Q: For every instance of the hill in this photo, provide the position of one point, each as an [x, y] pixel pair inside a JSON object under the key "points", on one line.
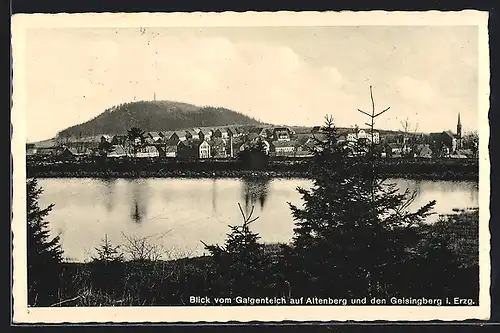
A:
{"points": [[157, 116]]}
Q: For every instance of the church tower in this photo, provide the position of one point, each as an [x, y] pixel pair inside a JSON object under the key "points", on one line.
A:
{"points": [[459, 132]]}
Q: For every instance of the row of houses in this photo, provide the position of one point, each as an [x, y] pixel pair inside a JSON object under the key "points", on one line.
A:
{"points": [[224, 142]]}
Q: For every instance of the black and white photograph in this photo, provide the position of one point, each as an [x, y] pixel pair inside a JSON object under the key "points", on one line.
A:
{"points": [[209, 167]]}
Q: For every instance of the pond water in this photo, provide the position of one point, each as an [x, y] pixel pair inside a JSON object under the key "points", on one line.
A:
{"points": [[180, 213]]}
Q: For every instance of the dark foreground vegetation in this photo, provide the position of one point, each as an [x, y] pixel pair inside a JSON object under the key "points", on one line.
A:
{"points": [[353, 238], [446, 169]]}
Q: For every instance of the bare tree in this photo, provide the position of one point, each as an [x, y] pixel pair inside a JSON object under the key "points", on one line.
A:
{"points": [[143, 248], [409, 132], [372, 116]]}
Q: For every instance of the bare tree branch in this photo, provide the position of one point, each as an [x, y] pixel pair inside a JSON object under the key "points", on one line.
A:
{"points": [[378, 114]]}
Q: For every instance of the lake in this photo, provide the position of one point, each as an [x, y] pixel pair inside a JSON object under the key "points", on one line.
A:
{"points": [[180, 213]]}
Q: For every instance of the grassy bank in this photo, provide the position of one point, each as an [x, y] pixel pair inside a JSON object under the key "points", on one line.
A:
{"points": [[446, 169], [444, 264]]}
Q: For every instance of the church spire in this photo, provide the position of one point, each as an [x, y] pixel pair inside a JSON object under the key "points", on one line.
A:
{"points": [[459, 127]]}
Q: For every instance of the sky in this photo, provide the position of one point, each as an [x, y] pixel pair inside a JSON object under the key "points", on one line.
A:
{"points": [[279, 75]]}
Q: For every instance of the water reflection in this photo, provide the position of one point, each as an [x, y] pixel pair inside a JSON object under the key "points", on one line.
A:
{"points": [[139, 200], [87, 209], [214, 195], [109, 185], [255, 190]]}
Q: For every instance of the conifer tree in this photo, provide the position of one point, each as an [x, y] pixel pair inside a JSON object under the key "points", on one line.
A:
{"points": [[44, 252], [241, 263], [107, 266], [107, 252], [353, 228]]}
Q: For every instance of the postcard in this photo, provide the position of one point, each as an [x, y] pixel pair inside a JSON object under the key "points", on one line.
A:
{"points": [[257, 166]]}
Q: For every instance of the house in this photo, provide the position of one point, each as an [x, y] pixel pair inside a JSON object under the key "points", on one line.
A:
{"points": [[198, 134], [217, 133], [190, 135], [443, 143], [237, 132], [281, 134], [79, 150], [105, 138], [218, 148], [467, 152], [266, 133], [65, 154], [230, 132], [423, 151], [304, 151], [351, 137], [171, 137], [362, 134], [181, 135], [284, 148], [117, 151], [376, 137], [155, 136], [224, 133], [393, 150], [30, 149], [118, 139], [209, 133], [316, 129], [48, 151], [170, 150], [254, 129], [147, 151], [203, 149]]}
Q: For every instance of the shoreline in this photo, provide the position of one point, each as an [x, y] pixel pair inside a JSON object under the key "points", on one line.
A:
{"points": [[231, 175], [458, 170]]}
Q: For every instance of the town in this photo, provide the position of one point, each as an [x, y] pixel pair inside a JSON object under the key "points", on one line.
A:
{"points": [[227, 142]]}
